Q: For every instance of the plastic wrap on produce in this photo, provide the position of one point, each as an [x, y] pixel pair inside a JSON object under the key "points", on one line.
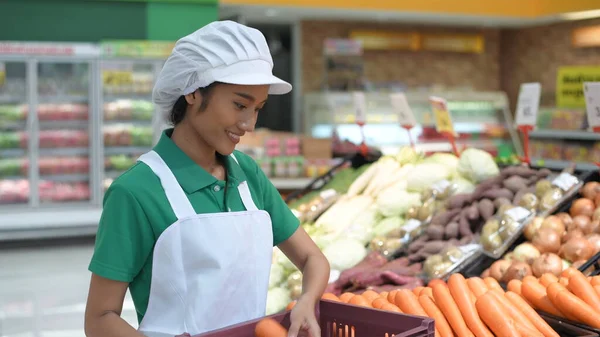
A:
{"points": [[500, 232], [450, 260]]}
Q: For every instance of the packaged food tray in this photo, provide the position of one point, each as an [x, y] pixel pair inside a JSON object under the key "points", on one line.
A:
{"points": [[344, 320]]}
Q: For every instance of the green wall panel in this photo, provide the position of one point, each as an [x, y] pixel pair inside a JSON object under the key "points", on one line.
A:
{"points": [[169, 21], [68, 20]]}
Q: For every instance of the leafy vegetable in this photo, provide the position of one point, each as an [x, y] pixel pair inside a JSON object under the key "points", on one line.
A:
{"points": [[396, 201], [422, 176], [345, 253], [477, 165]]}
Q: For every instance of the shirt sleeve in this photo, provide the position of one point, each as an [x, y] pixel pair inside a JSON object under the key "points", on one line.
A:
{"points": [[284, 222], [125, 238]]}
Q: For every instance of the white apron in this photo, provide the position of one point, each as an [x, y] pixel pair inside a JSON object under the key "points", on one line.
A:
{"points": [[209, 270]]}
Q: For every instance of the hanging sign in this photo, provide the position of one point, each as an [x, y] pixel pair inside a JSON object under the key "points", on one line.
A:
{"points": [[406, 118], [569, 84], [443, 121], [528, 105], [360, 107], [592, 100]]}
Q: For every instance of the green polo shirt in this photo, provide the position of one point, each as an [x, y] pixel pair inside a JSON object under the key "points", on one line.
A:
{"points": [[136, 211]]}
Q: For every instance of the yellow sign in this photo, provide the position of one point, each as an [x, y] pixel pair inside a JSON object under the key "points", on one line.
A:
{"points": [[443, 120], [453, 43], [569, 85], [117, 78], [386, 40]]}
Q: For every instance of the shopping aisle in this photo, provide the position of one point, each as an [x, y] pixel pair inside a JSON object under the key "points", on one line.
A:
{"points": [[43, 289]]}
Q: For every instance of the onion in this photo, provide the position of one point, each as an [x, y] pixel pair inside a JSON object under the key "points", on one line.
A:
{"points": [[582, 206], [581, 222], [532, 227], [577, 249], [555, 223], [590, 190], [574, 233], [547, 240], [594, 239], [517, 271], [566, 218], [547, 263], [499, 268], [526, 252]]}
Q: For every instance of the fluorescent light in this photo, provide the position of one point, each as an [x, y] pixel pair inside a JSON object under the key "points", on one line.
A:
{"points": [[594, 13]]}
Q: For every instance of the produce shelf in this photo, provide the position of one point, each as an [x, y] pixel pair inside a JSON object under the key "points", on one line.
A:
{"points": [[12, 153], [63, 99], [561, 164], [565, 134], [291, 183], [76, 177], [115, 150], [132, 96]]}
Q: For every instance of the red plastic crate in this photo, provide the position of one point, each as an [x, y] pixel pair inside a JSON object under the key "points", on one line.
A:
{"points": [[341, 317]]}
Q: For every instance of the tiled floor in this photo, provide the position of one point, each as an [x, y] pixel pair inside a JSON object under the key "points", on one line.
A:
{"points": [[43, 289]]}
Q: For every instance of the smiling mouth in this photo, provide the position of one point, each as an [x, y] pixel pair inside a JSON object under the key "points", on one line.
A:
{"points": [[235, 138]]}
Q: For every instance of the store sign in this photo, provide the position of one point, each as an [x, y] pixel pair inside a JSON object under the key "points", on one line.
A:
{"points": [[406, 118], [569, 85], [360, 107], [585, 37], [49, 49], [443, 119], [384, 40], [117, 75], [345, 47], [453, 43], [142, 49], [528, 104], [592, 99]]}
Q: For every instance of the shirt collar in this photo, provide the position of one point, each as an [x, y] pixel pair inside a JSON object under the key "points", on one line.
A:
{"points": [[191, 176]]}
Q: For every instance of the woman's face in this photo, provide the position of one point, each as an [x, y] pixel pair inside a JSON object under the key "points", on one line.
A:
{"points": [[231, 111]]}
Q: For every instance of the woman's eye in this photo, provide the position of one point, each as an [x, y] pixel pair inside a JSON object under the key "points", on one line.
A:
{"points": [[240, 106]]}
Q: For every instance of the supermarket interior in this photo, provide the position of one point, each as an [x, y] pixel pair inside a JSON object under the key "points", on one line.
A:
{"points": [[490, 163]]}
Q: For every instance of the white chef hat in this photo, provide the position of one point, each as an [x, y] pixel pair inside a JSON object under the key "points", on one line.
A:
{"points": [[222, 51]]}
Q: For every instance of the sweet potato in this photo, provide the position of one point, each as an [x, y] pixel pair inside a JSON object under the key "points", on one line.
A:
{"points": [[486, 208], [451, 230], [435, 232], [520, 170], [498, 193], [434, 247], [417, 245], [472, 212], [444, 217], [515, 183], [459, 200], [543, 173], [498, 202], [464, 227]]}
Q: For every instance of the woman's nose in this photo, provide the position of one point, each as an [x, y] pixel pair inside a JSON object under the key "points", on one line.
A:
{"points": [[247, 125]]}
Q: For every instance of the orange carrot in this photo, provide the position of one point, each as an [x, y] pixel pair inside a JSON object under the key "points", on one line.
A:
{"points": [[359, 300], [392, 296], [384, 294], [564, 281], [527, 331], [390, 307], [597, 289], [290, 306], [378, 303], [370, 295], [567, 273], [417, 291], [427, 291], [548, 278], [477, 286], [434, 312], [579, 285], [434, 282], [535, 293], [511, 309], [495, 317], [531, 314], [330, 297], [514, 286], [269, 327], [462, 297], [409, 303], [345, 297], [492, 283], [595, 281], [576, 307], [444, 301]]}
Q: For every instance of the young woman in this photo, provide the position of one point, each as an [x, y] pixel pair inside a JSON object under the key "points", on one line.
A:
{"points": [[191, 227]]}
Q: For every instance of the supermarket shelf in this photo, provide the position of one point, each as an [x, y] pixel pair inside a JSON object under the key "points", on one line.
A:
{"points": [[55, 124], [561, 164], [132, 96], [114, 150], [66, 178], [142, 122], [22, 177], [12, 153], [64, 151], [565, 134], [290, 184], [63, 99], [12, 99]]}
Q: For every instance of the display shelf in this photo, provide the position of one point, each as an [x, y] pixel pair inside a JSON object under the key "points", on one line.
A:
{"points": [[290, 183], [554, 164], [116, 150], [565, 134], [65, 178], [54, 99]]}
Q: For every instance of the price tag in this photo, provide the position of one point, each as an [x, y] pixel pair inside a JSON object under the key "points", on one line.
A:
{"points": [[469, 248], [406, 118], [591, 90], [565, 181], [360, 107], [518, 213], [528, 104], [443, 120], [441, 186], [2, 74], [411, 224]]}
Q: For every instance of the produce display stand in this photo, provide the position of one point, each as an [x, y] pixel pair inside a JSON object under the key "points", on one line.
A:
{"points": [[337, 320]]}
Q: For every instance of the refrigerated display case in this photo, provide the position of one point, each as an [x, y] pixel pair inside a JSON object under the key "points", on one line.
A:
{"points": [[481, 119]]}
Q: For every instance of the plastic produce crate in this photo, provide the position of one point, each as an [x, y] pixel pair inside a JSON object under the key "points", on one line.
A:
{"points": [[565, 327], [343, 320]]}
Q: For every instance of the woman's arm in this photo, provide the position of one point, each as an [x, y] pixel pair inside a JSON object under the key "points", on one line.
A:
{"points": [[305, 255], [103, 310]]}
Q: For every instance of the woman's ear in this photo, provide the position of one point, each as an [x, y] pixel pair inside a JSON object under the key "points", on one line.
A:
{"points": [[194, 98]]}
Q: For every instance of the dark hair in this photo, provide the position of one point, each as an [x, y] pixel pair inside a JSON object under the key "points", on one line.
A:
{"points": [[180, 107]]}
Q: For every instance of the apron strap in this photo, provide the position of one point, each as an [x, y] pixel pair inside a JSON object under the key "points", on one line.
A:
{"points": [[245, 192], [177, 198]]}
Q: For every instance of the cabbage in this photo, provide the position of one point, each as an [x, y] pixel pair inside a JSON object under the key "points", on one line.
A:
{"points": [[345, 253], [276, 276], [447, 159], [361, 228], [396, 201], [477, 165], [462, 185], [387, 225], [277, 300], [423, 175], [407, 155]]}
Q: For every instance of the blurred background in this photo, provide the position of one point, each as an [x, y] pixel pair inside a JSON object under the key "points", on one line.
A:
{"points": [[75, 106]]}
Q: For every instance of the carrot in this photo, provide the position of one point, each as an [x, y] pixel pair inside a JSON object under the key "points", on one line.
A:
{"points": [[527, 331], [434, 282], [330, 297], [417, 291], [269, 327], [477, 286], [567, 273], [514, 285], [576, 307], [444, 301], [384, 294], [290, 306], [390, 307], [548, 278], [409, 303], [359, 300], [392, 296], [378, 303], [345, 297], [434, 312], [597, 289], [462, 296], [579, 285], [553, 289], [495, 317], [531, 314], [529, 278], [564, 281], [595, 281], [370, 295], [427, 291], [492, 283], [512, 311], [535, 293]]}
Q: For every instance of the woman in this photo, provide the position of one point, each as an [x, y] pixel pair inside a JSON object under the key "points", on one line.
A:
{"points": [[191, 227]]}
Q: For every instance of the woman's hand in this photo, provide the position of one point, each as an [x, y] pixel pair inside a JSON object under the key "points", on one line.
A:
{"points": [[304, 320]]}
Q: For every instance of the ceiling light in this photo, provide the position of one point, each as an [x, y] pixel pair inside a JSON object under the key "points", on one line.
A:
{"points": [[583, 15]]}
